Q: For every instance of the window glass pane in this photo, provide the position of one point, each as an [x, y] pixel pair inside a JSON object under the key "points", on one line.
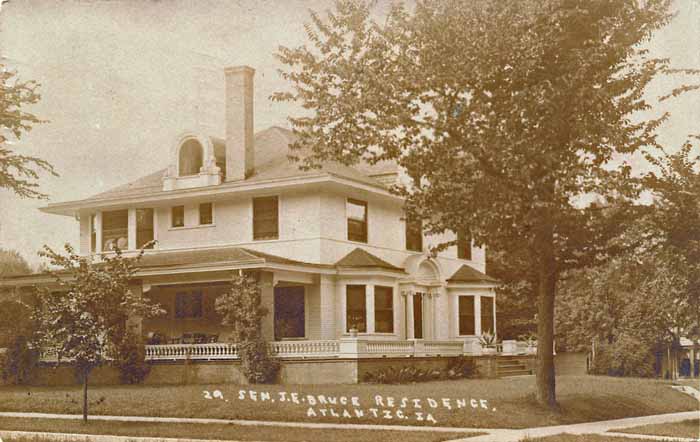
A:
{"points": [[464, 246], [178, 216], [265, 218], [414, 235], [383, 309], [115, 230], [144, 227], [487, 314], [466, 315], [418, 316], [356, 308], [357, 220], [206, 215], [289, 312], [188, 305]]}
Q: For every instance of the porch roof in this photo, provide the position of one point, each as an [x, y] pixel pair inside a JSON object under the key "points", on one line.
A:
{"points": [[469, 274], [362, 258], [219, 255]]}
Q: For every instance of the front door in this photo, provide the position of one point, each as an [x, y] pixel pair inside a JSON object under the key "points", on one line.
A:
{"points": [[289, 313], [418, 316]]}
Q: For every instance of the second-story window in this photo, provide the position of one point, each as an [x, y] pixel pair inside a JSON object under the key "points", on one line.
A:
{"points": [[144, 228], [357, 220], [464, 246], [265, 218], [414, 235], [206, 214], [115, 230], [177, 216]]}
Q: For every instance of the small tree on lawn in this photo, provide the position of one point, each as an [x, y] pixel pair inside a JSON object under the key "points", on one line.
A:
{"points": [[241, 309], [85, 319]]}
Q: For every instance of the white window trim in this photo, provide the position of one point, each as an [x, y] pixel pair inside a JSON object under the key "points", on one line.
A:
{"points": [[347, 237], [252, 218], [213, 214]]}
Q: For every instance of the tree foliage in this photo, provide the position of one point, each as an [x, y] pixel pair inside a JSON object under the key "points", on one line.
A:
{"points": [[242, 310], [85, 319], [13, 264], [502, 114], [18, 172]]}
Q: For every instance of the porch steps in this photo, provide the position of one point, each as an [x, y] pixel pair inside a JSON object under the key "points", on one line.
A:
{"points": [[507, 366]]}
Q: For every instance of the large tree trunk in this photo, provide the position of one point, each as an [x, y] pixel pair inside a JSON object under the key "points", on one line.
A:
{"points": [[546, 287], [85, 395]]}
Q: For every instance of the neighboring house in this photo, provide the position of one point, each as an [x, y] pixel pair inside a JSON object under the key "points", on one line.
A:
{"points": [[344, 277]]}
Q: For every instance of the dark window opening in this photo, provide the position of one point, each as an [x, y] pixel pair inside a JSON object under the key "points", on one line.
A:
{"points": [[144, 228], [115, 230], [191, 158], [188, 305], [383, 309], [464, 246], [177, 216], [357, 220], [206, 214], [265, 218], [487, 324], [289, 312], [417, 316], [466, 316], [414, 235], [356, 308]]}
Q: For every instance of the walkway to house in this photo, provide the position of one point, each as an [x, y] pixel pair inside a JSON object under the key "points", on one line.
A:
{"points": [[495, 435]]}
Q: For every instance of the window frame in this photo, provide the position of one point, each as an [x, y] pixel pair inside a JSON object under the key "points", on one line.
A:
{"points": [[197, 294], [172, 217], [460, 315], [363, 310], [464, 246], [409, 229], [384, 309], [105, 238], [492, 318], [152, 229], [256, 234], [365, 232], [199, 212]]}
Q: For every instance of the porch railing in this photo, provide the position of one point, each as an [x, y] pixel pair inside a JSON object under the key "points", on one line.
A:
{"points": [[346, 348]]}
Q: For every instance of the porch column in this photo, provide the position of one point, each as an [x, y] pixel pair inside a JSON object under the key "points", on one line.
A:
{"points": [[136, 322], [98, 232], [408, 303], [327, 289], [267, 299], [131, 229], [369, 306], [477, 315]]}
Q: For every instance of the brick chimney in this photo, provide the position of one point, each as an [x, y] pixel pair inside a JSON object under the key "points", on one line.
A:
{"points": [[240, 149]]}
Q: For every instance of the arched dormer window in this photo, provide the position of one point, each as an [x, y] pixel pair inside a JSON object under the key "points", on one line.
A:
{"points": [[191, 158]]}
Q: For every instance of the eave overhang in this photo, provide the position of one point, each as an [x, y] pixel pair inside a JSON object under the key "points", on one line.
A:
{"points": [[72, 208]]}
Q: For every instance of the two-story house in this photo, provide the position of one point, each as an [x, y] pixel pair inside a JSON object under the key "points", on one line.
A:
{"points": [[346, 280]]}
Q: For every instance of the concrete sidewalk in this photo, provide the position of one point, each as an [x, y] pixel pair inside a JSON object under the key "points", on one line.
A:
{"points": [[495, 434], [600, 427]]}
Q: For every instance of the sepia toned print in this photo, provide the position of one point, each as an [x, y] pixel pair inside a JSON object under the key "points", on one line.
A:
{"points": [[351, 220]]}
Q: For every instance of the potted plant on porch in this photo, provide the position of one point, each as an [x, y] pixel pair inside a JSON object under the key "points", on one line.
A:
{"points": [[531, 342], [488, 343]]}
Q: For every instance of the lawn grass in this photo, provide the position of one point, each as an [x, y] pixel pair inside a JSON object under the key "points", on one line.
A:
{"points": [[689, 428], [510, 402], [220, 431], [583, 438]]}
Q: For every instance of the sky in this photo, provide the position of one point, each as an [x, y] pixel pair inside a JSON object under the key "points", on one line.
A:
{"points": [[121, 79]]}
